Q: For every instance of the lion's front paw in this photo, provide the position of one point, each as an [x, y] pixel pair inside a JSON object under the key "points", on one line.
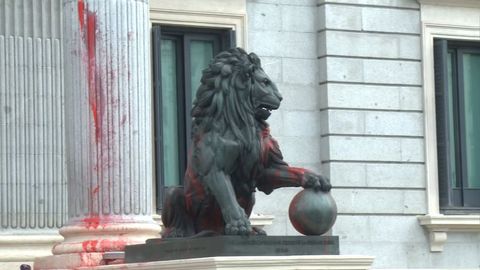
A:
{"points": [[239, 226], [315, 181]]}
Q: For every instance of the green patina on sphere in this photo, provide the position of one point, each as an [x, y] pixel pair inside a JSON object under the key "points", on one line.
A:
{"points": [[312, 212]]}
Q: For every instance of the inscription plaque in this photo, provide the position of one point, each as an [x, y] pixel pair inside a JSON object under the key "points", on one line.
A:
{"points": [[185, 248]]}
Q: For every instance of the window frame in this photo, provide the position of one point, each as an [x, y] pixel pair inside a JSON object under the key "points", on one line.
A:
{"points": [[222, 38], [447, 19], [452, 200]]}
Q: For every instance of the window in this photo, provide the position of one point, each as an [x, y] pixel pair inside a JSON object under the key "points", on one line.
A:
{"points": [[457, 99], [179, 56]]}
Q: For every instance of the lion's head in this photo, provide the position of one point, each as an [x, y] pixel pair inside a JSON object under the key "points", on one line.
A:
{"points": [[234, 92]]}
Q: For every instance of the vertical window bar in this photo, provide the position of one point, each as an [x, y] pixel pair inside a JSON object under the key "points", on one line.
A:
{"points": [[157, 88], [461, 120], [229, 40], [442, 104]]}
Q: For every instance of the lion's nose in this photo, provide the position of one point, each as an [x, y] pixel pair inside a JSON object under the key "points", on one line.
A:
{"points": [[279, 96]]}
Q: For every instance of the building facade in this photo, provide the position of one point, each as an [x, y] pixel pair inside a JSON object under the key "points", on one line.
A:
{"points": [[367, 101]]}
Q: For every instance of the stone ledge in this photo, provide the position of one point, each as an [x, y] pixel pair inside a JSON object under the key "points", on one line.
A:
{"points": [[257, 220], [69, 261], [23, 248], [17, 249], [439, 225], [320, 262], [458, 3]]}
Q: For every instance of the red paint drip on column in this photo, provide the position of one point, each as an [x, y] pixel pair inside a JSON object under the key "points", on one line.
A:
{"points": [[95, 91], [81, 13], [95, 190]]}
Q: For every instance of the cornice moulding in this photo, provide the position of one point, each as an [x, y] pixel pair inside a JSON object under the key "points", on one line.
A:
{"points": [[332, 262], [456, 3]]}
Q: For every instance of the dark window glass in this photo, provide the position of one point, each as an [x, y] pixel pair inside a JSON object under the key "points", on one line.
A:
{"points": [[179, 56], [457, 87]]}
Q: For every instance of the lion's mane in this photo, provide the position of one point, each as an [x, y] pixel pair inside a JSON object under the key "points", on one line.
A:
{"points": [[224, 101]]}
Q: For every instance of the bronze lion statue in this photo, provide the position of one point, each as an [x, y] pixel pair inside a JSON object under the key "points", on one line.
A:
{"points": [[233, 153]]}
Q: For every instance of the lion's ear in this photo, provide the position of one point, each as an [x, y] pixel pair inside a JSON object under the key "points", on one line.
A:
{"points": [[255, 59]]}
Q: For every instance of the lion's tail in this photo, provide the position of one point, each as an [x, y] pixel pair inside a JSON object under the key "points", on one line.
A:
{"points": [[175, 218]]}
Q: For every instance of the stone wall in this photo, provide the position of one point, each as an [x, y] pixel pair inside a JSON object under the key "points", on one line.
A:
{"points": [[358, 102], [284, 34], [350, 74], [370, 64]]}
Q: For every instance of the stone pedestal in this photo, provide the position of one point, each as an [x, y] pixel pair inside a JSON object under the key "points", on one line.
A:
{"points": [[310, 262], [108, 131], [225, 246]]}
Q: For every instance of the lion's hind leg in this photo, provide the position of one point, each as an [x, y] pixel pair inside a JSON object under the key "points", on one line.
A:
{"points": [[175, 218]]}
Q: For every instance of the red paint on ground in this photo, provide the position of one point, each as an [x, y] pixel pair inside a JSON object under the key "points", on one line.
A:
{"points": [[90, 259]]}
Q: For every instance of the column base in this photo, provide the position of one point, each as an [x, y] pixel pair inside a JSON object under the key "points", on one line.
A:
{"points": [[87, 239], [311, 262], [105, 234]]}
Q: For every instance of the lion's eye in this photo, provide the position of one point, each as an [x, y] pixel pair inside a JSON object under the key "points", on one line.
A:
{"points": [[266, 81]]}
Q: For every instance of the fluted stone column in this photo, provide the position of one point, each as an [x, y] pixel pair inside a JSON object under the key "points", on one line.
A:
{"points": [[108, 127]]}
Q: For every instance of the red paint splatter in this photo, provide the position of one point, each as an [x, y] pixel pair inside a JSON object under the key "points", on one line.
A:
{"points": [[91, 222], [90, 245], [95, 190], [90, 259], [81, 13], [295, 216], [112, 245], [265, 132], [95, 92], [296, 172], [103, 245]]}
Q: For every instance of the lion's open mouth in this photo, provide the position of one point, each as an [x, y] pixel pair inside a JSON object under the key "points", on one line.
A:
{"points": [[264, 111]]}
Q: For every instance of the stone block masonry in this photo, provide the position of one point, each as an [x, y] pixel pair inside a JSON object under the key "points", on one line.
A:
{"points": [[284, 35]]}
